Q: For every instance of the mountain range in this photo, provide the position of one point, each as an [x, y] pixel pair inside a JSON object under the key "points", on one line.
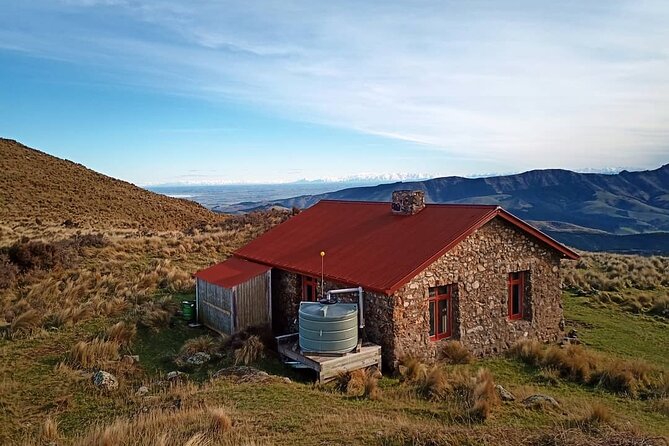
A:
{"points": [[624, 212]]}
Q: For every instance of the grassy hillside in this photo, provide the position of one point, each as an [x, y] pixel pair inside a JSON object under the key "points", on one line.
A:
{"points": [[38, 189], [117, 293], [78, 300]]}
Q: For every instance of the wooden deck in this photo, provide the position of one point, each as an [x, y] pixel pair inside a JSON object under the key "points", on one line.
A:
{"points": [[327, 367]]}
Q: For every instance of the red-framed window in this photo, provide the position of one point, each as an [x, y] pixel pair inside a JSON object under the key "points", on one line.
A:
{"points": [[441, 311], [309, 289], [517, 294]]}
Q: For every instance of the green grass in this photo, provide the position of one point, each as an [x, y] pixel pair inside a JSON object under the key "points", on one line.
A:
{"points": [[283, 412], [617, 332]]}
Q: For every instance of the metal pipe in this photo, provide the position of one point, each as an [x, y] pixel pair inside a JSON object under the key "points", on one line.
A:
{"points": [[361, 314]]}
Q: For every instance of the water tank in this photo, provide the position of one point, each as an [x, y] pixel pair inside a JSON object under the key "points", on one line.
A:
{"points": [[328, 328]]}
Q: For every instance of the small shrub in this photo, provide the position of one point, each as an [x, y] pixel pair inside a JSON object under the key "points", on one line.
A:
{"points": [[453, 352], [220, 421], [28, 255], [251, 350]]}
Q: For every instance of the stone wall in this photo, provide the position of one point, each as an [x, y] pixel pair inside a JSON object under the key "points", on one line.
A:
{"points": [[479, 266]]}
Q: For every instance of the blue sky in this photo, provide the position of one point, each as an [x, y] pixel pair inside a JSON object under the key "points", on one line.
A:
{"points": [[214, 91]]}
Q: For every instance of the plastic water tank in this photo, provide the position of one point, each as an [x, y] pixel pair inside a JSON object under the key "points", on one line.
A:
{"points": [[328, 328]]}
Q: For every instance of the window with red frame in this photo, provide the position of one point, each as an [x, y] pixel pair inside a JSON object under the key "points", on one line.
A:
{"points": [[517, 294], [441, 311], [309, 288]]}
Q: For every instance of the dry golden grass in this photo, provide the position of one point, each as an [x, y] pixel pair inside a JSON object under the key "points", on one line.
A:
{"points": [[484, 396], [412, 370], [351, 383], [372, 390], [453, 352], [194, 426], [122, 333], [634, 283], [251, 350], [581, 365], [94, 353], [50, 433]]}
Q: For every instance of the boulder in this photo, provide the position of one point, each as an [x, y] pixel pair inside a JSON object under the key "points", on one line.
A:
{"points": [[198, 358], [504, 394], [105, 380], [540, 400], [175, 375], [143, 390]]}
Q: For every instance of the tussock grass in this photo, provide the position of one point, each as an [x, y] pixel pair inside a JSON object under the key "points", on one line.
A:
{"points": [[220, 421], [412, 370], [25, 323], [351, 383], [484, 396], [94, 353], [122, 333], [252, 349], [372, 390], [635, 284], [581, 365], [453, 352]]}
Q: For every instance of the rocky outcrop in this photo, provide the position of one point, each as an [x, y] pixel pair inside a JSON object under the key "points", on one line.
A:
{"points": [[104, 380]]}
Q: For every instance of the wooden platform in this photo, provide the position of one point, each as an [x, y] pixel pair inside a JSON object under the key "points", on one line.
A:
{"points": [[328, 367]]}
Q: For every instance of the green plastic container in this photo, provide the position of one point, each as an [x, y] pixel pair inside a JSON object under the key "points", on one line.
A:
{"points": [[188, 310]]}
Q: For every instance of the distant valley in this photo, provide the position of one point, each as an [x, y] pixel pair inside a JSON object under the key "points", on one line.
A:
{"points": [[624, 212]]}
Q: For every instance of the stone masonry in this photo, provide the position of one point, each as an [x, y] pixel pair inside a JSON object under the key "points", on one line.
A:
{"points": [[479, 266]]}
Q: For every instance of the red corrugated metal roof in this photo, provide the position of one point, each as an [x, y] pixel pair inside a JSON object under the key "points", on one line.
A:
{"points": [[366, 245], [231, 272]]}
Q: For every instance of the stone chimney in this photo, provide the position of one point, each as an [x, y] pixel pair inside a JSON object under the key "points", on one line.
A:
{"points": [[408, 202]]}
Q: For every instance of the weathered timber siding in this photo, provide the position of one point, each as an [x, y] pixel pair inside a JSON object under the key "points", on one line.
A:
{"points": [[230, 310], [252, 306], [215, 306]]}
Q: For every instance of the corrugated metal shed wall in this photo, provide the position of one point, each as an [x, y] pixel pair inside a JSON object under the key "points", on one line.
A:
{"points": [[230, 310]]}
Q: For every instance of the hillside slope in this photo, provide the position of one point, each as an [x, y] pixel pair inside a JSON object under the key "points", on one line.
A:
{"points": [[35, 185], [574, 207]]}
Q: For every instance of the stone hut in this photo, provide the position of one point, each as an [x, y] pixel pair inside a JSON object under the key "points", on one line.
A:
{"points": [[430, 272]]}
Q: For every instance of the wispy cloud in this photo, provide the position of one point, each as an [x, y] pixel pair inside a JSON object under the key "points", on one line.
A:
{"points": [[525, 83]]}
